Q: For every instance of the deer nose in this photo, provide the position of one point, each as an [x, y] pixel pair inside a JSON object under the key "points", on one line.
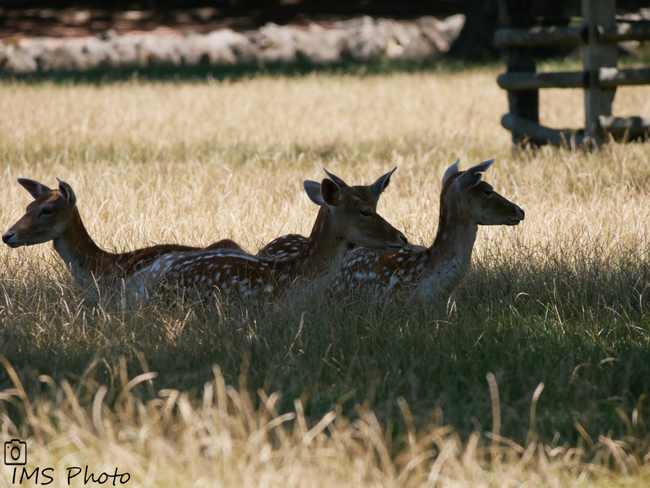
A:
{"points": [[403, 238], [6, 237], [523, 214]]}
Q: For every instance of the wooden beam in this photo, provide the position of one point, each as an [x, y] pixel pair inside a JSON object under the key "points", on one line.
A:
{"points": [[607, 78], [620, 126], [539, 134], [613, 77], [573, 36], [598, 101], [523, 103], [624, 31], [540, 36], [535, 81]]}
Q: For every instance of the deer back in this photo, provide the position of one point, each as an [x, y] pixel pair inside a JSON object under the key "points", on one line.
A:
{"points": [[344, 217]]}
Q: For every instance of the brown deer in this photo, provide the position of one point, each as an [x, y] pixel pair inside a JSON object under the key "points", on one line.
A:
{"points": [[289, 245], [53, 216], [346, 216], [465, 203]]}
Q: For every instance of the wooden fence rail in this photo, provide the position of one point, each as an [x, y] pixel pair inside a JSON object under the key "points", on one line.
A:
{"points": [[572, 36], [606, 78]]}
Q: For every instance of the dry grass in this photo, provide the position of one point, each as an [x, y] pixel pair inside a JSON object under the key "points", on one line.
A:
{"points": [[223, 439], [559, 300]]}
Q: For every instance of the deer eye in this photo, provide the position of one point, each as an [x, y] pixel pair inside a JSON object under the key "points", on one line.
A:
{"points": [[366, 213], [46, 211], [488, 192]]}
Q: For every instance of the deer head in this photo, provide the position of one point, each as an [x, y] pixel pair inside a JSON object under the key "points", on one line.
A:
{"points": [[353, 217], [468, 198], [45, 218], [290, 245]]}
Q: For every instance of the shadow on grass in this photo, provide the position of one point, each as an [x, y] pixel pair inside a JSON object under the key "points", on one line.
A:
{"points": [[204, 73], [582, 331]]}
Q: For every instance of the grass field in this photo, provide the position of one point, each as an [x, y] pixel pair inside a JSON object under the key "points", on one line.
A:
{"points": [[536, 375]]}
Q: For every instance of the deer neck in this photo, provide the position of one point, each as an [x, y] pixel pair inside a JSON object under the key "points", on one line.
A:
{"points": [[449, 258], [321, 255], [81, 255]]}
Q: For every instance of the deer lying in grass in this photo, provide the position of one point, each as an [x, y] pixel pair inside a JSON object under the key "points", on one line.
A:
{"points": [[346, 216], [465, 203], [53, 216], [288, 246]]}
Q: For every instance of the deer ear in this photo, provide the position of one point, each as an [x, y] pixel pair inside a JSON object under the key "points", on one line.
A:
{"points": [[67, 192], [472, 176], [330, 192], [312, 189], [34, 188], [452, 170], [336, 179], [481, 167], [381, 184]]}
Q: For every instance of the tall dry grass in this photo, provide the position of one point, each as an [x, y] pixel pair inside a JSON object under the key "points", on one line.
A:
{"points": [[223, 438], [328, 394]]}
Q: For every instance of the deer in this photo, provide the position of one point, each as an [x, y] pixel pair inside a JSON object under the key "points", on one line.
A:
{"points": [[465, 203], [346, 216], [289, 245], [54, 216]]}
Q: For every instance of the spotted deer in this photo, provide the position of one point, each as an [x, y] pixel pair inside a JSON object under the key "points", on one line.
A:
{"points": [[346, 216], [54, 216], [289, 245], [465, 203]]}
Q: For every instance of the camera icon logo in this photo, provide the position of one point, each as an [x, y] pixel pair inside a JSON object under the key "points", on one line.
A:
{"points": [[15, 453]]}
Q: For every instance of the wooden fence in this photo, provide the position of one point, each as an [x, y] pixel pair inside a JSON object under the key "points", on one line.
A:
{"points": [[598, 35]]}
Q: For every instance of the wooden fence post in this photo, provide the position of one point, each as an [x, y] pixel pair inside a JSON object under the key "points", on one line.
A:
{"points": [[523, 103], [598, 101]]}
